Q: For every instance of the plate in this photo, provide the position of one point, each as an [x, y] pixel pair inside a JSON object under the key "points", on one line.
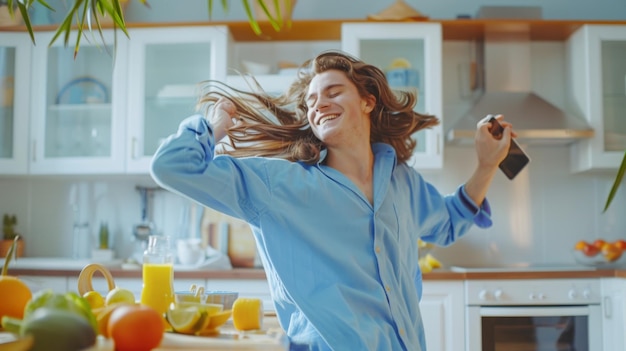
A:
{"points": [[83, 90]]}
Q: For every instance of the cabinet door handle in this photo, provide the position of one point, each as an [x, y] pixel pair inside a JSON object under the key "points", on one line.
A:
{"points": [[133, 148], [608, 308]]}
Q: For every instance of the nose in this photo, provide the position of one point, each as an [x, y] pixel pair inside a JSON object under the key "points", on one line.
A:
{"points": [[320, 104]]}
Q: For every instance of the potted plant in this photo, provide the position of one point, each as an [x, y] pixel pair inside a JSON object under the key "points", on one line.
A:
{"points": [[88, 14], [9, 234]]}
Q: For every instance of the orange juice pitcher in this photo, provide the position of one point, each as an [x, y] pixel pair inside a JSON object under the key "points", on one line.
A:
{"points": [[158, 274]]}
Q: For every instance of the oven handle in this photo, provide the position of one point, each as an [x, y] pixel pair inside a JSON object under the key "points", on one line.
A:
{"points": [[533, 311]]}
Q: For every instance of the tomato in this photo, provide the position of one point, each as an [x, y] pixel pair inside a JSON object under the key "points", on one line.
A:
{"points": [[135, 328]]}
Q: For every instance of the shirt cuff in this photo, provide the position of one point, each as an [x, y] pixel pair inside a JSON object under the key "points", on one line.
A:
{"points": [[482, 214]]}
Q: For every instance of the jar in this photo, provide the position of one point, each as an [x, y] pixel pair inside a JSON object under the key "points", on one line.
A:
{"points": [[158, 274]]}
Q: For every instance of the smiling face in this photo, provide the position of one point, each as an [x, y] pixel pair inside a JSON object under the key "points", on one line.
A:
{"points": [[337, 114]]}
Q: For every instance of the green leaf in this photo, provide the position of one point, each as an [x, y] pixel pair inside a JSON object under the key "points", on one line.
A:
{"points": [[618, 180]]}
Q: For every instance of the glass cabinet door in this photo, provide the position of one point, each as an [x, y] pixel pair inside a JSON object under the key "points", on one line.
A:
{"points": [[15, 51], [410, 56], [165, 71], [600, 52], [78, 105]]}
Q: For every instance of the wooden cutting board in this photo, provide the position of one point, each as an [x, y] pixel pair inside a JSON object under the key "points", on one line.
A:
{"points": [[272, 340]]}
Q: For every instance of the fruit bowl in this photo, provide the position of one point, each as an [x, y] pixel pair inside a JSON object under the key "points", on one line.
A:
{"points": [[599, 260]]}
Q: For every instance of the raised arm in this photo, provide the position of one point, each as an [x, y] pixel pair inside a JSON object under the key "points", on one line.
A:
{"points": [[490, 152]]}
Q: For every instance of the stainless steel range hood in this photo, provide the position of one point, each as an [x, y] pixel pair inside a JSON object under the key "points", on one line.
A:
{"points": [[507, 90]]}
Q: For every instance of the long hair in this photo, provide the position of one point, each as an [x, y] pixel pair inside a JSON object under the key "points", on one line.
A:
{"points": [[277, 126]]}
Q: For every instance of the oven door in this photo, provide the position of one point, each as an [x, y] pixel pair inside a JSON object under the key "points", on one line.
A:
{"points": [[534, 328]]}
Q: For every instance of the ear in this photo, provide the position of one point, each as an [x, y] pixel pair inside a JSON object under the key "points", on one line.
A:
{"points": [[368, 103]]}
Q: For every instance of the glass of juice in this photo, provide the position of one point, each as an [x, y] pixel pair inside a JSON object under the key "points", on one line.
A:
{"points": [[158, 274]]}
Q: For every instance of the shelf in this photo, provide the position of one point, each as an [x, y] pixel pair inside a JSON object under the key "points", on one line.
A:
{"points": [[79, 107], [320, 30]]}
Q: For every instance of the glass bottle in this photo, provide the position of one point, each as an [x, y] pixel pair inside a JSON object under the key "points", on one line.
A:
{"points": [[158, 274]]}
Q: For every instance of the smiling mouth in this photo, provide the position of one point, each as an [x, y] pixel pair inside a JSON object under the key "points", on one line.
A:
{"points": [[326, 119]]}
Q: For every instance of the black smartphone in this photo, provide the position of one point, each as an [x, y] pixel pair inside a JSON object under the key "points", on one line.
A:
{"points": [[516, 159]]}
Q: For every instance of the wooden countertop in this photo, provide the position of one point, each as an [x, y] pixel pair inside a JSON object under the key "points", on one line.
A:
{"points": [[435, 275]]}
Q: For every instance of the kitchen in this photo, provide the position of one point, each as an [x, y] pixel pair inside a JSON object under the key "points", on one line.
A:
{"points": [[538, 217]]}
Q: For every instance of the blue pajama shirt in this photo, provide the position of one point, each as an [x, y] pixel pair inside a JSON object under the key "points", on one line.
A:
{"points": [[343, 273]]}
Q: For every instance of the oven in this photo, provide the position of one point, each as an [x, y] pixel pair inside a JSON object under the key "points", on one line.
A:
{"points": [[533, 315]]}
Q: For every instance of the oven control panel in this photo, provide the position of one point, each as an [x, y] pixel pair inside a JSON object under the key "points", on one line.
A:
{"points": [[533, 292]]}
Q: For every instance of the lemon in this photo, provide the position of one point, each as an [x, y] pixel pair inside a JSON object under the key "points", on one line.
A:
{"points": [[187, 320], [432, 261], [247, 314], [216, 320], [424, 265], [119, 295], [94, 299], [400, 63]]}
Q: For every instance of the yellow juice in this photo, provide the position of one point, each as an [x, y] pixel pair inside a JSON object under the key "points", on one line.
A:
{"points": [[158, 287]]}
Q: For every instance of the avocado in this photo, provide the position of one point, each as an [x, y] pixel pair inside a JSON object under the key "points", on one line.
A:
{"points": [[58, 330]]}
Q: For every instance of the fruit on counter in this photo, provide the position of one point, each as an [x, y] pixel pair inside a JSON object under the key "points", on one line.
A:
{"points": [[49, 299], [56, 329], [119, 295], [611, 252], [216, 321], [94, 299], [14, 293], [428, 263], [247, 313], [135, 327], [187, 320], [102, 317], [589, 249]]}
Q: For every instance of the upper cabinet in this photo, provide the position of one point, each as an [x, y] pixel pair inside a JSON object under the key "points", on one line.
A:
{"points": [[165, 68], [77, 105], [15, 56], [597, 68], [410, 56]]}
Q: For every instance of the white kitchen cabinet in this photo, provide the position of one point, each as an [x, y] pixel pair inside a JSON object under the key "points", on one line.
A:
{"points": [[15, 56], [613, 313], [272, 55], [418, 45], [443, 315], [597, 69], [77, 105], [165, 66]]}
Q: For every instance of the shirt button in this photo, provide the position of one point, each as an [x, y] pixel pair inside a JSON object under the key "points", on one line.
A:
{"points": [[387, 288], [401, 331], [377, 249]]}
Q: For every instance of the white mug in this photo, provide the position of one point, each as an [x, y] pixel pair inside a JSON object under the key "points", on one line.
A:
{"points": [[190, 251]]}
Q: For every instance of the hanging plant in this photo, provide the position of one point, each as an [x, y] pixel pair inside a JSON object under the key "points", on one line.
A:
{"points": [[87, 15]]}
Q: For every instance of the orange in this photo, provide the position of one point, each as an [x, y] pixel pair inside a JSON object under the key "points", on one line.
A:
{"points": [[611, 252], [580, 245], [135, 328], [14, 295]]}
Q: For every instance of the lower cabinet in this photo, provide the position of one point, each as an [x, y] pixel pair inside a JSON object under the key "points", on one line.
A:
{"points": [[443, 315], [613, 314]]}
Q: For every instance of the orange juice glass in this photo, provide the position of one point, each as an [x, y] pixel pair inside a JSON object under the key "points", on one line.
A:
{"points": [[158, 274]]}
